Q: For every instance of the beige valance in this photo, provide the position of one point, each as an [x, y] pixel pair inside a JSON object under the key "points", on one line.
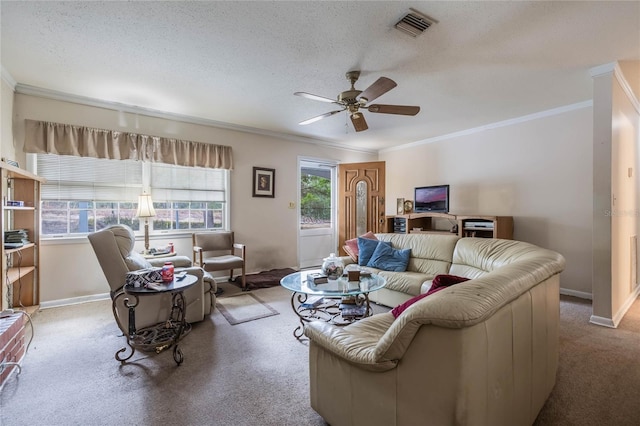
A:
{"points": [[65, 139]]}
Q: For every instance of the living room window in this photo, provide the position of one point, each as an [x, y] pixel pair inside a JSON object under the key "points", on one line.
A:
{"points": [[85, 194]]}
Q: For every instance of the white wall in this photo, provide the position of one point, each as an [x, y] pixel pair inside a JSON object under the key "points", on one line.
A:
{"points": [[267, 226], [538, 170]]}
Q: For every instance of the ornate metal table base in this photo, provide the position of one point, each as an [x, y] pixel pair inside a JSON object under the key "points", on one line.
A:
{"points": [[157, 337], [327, 310]]}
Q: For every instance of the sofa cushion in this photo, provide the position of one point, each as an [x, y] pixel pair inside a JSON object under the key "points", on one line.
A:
{"points": [[351, 246], [426, 286], [431, 254], [408, 283], [388, 258], [440, 282], [136, 261], [366, 247]]}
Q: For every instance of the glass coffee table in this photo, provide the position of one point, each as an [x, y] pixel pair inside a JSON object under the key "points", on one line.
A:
{"points": [[338, 302]]}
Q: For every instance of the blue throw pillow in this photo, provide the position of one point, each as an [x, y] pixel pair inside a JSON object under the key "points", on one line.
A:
{"points": [[366, 247], [388, 258]]}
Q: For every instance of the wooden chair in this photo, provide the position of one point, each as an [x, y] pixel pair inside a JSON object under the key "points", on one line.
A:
{"points": [[217, 251]]}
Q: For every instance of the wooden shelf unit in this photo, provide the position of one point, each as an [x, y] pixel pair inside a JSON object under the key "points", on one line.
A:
{"points": [[20, 270], [426, 223], [499, 227]]}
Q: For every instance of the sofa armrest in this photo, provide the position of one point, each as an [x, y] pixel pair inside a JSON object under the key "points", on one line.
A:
{"points": [[356, 343], [178, 261], [347, 260]]}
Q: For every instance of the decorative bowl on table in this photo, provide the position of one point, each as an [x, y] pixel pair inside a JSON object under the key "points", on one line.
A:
{"points": [[332, 267]]}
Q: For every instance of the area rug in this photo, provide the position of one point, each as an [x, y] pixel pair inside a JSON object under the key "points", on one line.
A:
{"points": [[264, 279], [244, 307]]}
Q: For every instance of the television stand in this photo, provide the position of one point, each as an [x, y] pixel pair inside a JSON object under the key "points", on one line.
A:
{"points": [[478, 226]]}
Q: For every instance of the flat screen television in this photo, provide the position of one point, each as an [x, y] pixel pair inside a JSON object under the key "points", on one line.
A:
{"points": [[431, 199]]}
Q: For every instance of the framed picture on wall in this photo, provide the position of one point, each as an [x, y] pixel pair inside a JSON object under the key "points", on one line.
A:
{"points": [[264, 182]]}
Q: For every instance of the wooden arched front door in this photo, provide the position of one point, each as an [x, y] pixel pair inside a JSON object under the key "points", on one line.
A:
{"points": [[361, 195]]}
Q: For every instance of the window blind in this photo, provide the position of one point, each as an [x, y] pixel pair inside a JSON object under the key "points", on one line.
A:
{"points": [[176, 183], [84, 178]]}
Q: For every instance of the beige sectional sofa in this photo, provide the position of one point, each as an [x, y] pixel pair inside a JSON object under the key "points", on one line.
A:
{"points": [[482, 352], [431, 254]]}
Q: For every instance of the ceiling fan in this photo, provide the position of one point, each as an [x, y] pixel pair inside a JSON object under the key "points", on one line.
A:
{"points": [[353, 101]]}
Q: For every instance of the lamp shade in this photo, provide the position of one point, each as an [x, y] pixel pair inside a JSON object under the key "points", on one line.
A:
{"points": [[145, 206]]}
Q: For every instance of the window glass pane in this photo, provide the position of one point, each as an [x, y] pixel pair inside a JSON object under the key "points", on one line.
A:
{"points": [[81, 221], [84, 195], [315, 198], [54, 221]]}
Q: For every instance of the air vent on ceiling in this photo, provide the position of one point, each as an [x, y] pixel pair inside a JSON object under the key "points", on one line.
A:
{"points": [[414, 23]]}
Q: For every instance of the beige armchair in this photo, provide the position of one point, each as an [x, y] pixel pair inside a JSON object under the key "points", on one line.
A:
{"points": [[114, 249], [217, 251]]}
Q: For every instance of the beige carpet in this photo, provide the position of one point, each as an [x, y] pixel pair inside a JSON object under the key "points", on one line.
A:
{"points": [[244, 307], [256, 373]]}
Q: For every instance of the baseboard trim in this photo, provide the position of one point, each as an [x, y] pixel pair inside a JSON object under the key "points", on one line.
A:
{"points": [[605, 322], [613, 322], [626, 306], [575, 293], [73, 301]]}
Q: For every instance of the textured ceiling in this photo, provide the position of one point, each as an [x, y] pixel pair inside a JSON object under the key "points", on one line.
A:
{"points": [[240, 62]]}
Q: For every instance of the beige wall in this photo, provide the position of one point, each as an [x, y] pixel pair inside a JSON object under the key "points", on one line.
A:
{"points": [[545, 170], [536, 170], [7, 149], [602, 160], [267, 226], [616, 195]]}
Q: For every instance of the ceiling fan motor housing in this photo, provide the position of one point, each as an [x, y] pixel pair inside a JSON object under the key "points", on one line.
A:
{"points": [[348, 97]]}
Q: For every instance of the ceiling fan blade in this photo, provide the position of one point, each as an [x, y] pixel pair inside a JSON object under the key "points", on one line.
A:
{"points": [[394, 109], [315, 97], [319, 117], [359, 123], [380, 87]]}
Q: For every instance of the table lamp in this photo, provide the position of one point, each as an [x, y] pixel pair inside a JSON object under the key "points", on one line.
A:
{"points": [[145, 211]]}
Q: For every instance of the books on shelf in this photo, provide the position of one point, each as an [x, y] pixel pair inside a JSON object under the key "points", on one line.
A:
{"points": [[312, 302], [349, 310], [317, 278], [15, 236]]}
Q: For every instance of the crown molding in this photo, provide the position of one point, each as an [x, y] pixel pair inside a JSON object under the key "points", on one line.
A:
{"points": [[496, 125], [603, 69], [614, 69], [25, 89], [617, 73]]}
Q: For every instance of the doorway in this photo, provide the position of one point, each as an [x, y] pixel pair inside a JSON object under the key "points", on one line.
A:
{"points": [[317, 230], [362, 200]]}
